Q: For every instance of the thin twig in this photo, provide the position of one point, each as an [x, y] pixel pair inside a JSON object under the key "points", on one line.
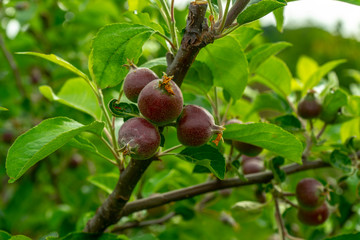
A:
{"points": [[223, 20], [289, 202], [167, 39], [170, 150], [135, 224], [321, 131], [10, 59], [279, 219]]}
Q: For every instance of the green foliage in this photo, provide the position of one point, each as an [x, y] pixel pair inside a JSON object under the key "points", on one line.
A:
{"points": [[228, 65], [267, 136], [75, 93], [258, 10], [346, 236], [42, 140], [251, 84], [59, 61], [123, 110], [206, 156], [332, 104], [111, 48]]}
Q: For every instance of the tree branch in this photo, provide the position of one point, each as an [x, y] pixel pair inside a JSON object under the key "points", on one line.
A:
{"points": [[9, 57], [189, 192], [235, 10], [128, 225], [108, 213], [197, 36]]}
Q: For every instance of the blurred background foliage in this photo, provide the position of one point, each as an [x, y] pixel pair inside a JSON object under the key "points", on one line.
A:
{"points": [[57, 194]]}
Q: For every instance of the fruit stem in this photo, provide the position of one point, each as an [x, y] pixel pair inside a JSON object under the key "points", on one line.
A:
{"points": [[321, 131], [226, 112], [284, 199], [111, 149], [279, 218], [110, 126], [167, 39], [170, 150], [223, 20], [216, 109]]}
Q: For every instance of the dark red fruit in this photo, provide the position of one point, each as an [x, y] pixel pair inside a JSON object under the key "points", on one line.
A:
{"points": [[35, 75], [310, 193], [161, 101], [314, 217], [196, 126], [8, 137], [245, 148], [139, 138], [75, 160], [252, 166], [136, 80], [309, 107], [247, 158]]}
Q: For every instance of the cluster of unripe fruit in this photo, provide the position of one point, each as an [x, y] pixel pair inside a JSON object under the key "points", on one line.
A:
{"points": [[310, 195], [160, 102]]}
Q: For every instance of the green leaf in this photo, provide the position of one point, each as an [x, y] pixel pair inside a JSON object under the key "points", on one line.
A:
{"points": [[155, 62], [105, 181], [269, 101], [3, 109], [279, 17], [349, 129], [340, 160], [137, 5], [59, 61], [20, 237], [275, 74], [355, 236], [206, 156], [265, 52], [305, 68], [288, 122], [228, 64], [202, 73], [355, 2], [123, 110], [353, 106], [258, 10], [331, 105], [244, 35], [315, 78], [111, 48], [4, 235], [247, 209], [355, 74], [268, 136], [275, 165], [75, 93], [41, 141], [93, 236]]}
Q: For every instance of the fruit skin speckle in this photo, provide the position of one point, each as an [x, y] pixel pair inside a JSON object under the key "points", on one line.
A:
{"points": [[139, 138]]}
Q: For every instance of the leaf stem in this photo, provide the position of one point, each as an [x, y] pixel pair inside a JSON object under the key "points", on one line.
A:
{"points": [[110, 148], [321, 131], [170, 23], [167, 39], [223, 20], [171, 149], [216, 110], [279, 219], [10, 59]]}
